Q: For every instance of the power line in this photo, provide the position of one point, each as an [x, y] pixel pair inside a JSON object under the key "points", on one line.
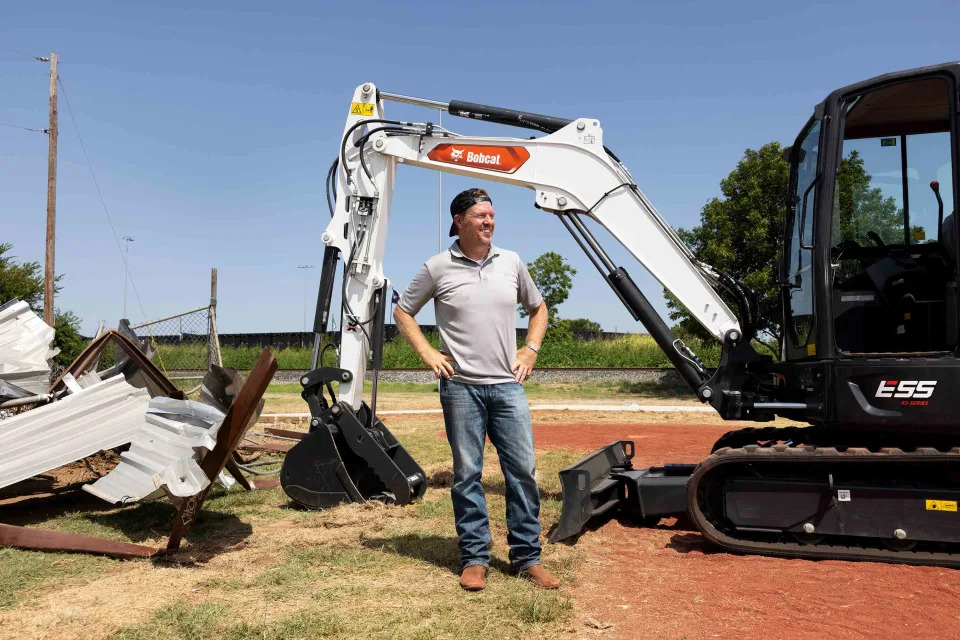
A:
{"points": [[17, 126], [24, 53], [103, 203]]}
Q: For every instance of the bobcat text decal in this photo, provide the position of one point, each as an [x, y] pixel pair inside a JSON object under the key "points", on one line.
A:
{"points": [[494, 158]]}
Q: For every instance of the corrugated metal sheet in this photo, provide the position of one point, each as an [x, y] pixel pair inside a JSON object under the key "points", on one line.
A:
{"points": [[163, 455], [25, 351], [102, 416]]}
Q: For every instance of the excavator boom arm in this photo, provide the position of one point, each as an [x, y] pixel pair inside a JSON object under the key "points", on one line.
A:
{"points": [[572, 176]]}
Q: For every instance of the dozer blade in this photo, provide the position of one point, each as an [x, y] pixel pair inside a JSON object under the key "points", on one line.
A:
{"points": [[342, 460], [589, 488]]}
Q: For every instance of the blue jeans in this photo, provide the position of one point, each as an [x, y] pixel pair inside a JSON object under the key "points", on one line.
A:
{"points": [[500, 411]]}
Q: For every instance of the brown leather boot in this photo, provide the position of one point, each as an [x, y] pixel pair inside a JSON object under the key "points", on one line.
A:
{"points": [[474, 577], [540, 577]]}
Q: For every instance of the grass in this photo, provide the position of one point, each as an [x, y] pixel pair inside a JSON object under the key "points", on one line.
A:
{"points": [[285, 397], [536, 391], [256, 567], [532, 612], [558, 350], [396, 583], [24, 574], [367, 571]]}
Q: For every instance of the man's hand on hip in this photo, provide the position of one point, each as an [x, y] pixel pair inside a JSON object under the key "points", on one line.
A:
{"points": [[439, 363], [523, 365]]}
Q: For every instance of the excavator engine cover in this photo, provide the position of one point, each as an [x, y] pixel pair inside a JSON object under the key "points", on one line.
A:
{"points": [[342, 459]]}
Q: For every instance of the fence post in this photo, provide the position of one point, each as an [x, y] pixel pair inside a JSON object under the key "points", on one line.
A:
{"points": [[213, 342]]}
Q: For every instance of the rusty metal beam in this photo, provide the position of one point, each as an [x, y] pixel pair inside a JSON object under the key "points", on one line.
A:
{"points": [[228, 437], [44, 540], [89, 356]]}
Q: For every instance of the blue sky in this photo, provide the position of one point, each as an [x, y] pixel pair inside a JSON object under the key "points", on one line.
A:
{"points": [[210, 125]]}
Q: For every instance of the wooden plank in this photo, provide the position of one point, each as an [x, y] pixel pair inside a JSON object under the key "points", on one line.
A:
{"points": [[285, 433], [270, 448], [228, 437], [44, 540]]}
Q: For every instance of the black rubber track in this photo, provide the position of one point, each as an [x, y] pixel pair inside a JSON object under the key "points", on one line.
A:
{"points": [[851, 548], [824, 437]]}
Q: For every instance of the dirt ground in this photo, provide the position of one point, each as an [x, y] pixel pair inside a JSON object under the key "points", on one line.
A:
{"points": [[668, 582]]}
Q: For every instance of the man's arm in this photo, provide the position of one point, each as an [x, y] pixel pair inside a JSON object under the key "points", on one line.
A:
{"points": [[527, 357], [410, 330]]}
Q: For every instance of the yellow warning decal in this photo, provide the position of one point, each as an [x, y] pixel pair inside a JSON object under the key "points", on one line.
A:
{"points": [[361, 109], [941, 505], [811, 349]]}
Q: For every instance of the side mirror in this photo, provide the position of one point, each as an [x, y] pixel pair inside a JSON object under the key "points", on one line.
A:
{"points": [[788, 153]]}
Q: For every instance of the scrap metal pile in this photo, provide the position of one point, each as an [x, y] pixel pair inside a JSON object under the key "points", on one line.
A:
{"points": [[173, 446], [25, 353]]}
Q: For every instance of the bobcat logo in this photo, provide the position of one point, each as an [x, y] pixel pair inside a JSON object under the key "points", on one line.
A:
{"points": [[456, 154]]}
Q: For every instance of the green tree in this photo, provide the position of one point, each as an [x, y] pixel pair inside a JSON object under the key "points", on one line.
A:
{"points": [[20, 281], [554, 278], [67, 339], [24, 281], [740, 234], [581, 325]]}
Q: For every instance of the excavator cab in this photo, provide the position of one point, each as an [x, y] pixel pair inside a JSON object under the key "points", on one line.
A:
{"points": [[871, 181], [869, 268]]}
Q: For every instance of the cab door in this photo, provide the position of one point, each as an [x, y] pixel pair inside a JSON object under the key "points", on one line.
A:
{"points": [[797, 265]]}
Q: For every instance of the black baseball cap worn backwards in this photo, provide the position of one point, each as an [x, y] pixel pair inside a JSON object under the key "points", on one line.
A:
{"points": [[463, 201]]}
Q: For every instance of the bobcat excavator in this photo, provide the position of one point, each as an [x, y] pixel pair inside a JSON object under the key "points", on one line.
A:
{"points": [[868, 362]]}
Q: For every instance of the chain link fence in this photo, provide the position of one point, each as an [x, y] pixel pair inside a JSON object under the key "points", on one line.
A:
{"points": [[186, 344]]}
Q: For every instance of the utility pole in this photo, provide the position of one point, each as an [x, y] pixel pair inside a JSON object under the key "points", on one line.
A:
{"points": [[305, 268], [49, 271], [126, 274]]}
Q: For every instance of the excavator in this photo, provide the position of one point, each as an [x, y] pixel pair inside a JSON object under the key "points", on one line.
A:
{"points": [[868, 366]]}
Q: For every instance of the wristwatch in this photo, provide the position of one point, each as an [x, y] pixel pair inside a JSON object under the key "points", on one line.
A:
{"points": [[532, 348]]}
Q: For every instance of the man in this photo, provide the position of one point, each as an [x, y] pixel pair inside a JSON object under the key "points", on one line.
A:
{"points": [[475, 287]]}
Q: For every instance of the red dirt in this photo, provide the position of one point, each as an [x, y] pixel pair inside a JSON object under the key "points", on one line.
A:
{"points": [[654, 443], [668, 582]]}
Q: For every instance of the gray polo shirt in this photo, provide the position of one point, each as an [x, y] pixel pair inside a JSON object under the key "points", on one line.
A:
{"points": [[476, 308]]}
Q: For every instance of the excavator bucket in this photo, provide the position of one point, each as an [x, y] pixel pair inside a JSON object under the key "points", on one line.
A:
{"points": [[345, 459]]}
